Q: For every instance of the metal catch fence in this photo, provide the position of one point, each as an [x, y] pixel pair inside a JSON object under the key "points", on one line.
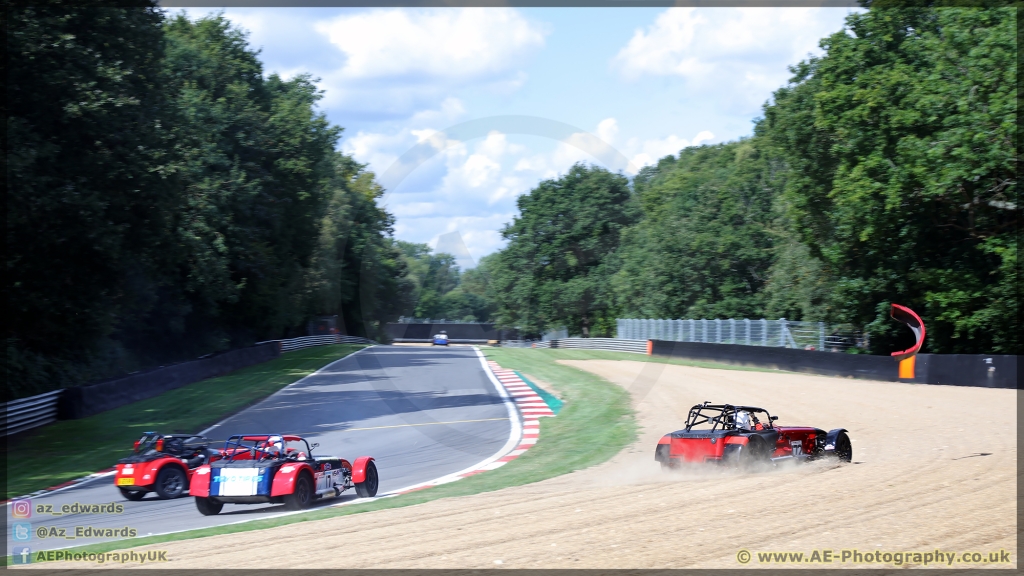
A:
{"points": [[614, 344], [307, 341], [780, 333], [32, 412]]}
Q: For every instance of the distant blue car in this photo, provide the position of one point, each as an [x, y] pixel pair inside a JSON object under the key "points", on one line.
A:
{"points": [[440, 339]]}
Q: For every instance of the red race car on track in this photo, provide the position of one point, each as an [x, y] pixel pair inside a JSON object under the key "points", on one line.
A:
{"points": [[747, 437], [162, 464], [274, 468]]}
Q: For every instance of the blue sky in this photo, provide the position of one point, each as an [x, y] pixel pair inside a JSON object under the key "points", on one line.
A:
{"points": [[634, 84]]}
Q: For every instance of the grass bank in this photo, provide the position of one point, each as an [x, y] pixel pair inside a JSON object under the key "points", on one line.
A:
{"points": [[71, 449], [594, 424]]}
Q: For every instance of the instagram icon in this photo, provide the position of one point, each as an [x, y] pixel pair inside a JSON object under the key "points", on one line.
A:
{"points": [[21, 509]]}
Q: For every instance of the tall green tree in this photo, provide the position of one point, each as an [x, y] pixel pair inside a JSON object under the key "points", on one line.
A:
{"points": [[901, 147], [88, 213], [704, 246], [168, 199], [556, 268]]}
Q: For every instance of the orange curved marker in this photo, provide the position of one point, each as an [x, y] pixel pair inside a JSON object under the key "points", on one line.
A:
{"points": [[907, 357]]}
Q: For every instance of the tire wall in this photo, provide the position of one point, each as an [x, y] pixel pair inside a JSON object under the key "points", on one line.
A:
{"points": [[988, 371]]}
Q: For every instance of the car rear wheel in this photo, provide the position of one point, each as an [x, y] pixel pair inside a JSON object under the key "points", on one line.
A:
{"points": [[133, 495], [661, 454], [302, 496], [207, 507], [368, 487], [171, 482], [754, 456], [844, 448]]}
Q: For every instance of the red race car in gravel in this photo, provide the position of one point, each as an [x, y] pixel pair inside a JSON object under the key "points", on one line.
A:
{"points": [[747, 437], [163, 464], [277, 469]]}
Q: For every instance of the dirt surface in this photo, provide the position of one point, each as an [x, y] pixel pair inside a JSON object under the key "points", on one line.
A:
{"points": [[934, 468]]}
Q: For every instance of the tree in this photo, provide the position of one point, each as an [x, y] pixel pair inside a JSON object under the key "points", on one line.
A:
{"points": [[166, 199], [704, 246], [88, 215], [555, 270], [901, 148]]}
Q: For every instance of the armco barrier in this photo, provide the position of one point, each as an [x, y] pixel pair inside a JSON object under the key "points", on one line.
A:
{"points": [[989, 371], [28, 413], [615, 344], [83, 401]]}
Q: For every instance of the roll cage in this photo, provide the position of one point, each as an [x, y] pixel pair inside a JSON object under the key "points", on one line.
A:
{"points": [[723, 416], [263, 447], [175, 444]]}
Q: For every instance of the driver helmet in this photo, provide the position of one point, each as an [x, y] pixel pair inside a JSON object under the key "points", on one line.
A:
{"points": [[274, 444], [743, 420]]}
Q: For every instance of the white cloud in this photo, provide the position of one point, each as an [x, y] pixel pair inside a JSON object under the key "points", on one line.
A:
{"points": [[607, 129], [395, 61], [736, 53], [702, 136], [442, 43], [647, 152], [450, 109]]}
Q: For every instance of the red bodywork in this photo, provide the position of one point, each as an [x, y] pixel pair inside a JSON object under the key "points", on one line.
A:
{"points": [[329, 475], [142, 476], [745, 434], [792, 441]]}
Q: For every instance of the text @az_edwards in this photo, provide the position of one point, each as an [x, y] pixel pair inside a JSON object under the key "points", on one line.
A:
{"points": [[79, 508], [23, 509], [76, 532], [901, 558]]}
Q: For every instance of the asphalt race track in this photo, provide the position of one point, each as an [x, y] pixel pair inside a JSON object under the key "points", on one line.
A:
{"points": [[420, 412]]}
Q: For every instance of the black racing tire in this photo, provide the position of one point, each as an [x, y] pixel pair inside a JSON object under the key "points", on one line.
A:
{"points": [[171, 482], [755, 456], [843, 448], [133, 495], [208, 507], [368, 487], [661, 454], [302, 496]]}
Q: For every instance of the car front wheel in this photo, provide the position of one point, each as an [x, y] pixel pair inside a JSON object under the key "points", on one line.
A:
{"points": [[208, 507], [368, 487], [843, 449], [302, 496]]}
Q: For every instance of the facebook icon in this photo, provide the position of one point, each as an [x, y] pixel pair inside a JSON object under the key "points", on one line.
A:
{"points": [[21, 555]]}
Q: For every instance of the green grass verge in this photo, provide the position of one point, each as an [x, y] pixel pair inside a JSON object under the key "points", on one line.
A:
{"points": [[95, 443], [593, 425]]}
